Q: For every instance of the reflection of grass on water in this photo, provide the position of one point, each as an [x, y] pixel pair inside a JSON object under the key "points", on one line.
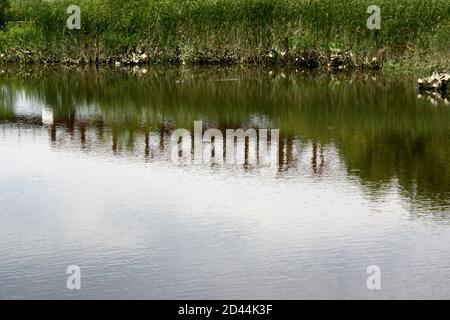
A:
{"points": [[382, 131], [229, 30], [6, 104]]}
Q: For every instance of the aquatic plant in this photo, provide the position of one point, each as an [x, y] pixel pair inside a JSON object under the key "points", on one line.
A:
{"points": [[229, 31]]}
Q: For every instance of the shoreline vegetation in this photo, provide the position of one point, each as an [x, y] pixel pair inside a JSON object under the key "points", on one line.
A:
{"points": [[304, 34]]}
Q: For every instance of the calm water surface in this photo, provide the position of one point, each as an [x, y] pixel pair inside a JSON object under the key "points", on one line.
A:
{"points": [[86, 178]]}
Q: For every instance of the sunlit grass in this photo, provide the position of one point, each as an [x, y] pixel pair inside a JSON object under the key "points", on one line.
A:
{"points": [[222, 30]]}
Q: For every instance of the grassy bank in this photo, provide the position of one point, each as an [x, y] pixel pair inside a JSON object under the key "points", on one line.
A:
{"points": [[308, 33]]}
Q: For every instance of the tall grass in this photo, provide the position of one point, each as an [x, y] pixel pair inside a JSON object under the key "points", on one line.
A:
{"points": [[221, 30], [4, 5]]}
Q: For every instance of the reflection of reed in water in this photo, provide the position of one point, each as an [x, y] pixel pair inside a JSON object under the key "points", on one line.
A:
{"points": [[375, 125], [317, 169], [298, 157], [155, 142]]}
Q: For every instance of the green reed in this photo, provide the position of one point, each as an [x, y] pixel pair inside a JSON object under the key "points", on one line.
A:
{"points": [[228, 30]]}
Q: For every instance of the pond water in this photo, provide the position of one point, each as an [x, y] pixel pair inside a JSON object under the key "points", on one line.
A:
{"points": [[87, 178]]}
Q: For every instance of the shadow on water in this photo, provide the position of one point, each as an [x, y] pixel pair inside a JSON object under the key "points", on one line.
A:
{"points": [[383, 133]]}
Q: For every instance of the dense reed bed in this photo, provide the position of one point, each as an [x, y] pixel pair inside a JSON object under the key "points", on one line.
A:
{"points": [[306, 32]]}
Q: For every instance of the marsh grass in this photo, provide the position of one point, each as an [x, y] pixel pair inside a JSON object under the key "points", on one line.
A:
{"points": [[221, 31]]}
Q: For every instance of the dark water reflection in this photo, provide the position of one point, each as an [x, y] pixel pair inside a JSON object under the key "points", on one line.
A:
{"points": [[360, 158], [382, 132]]}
